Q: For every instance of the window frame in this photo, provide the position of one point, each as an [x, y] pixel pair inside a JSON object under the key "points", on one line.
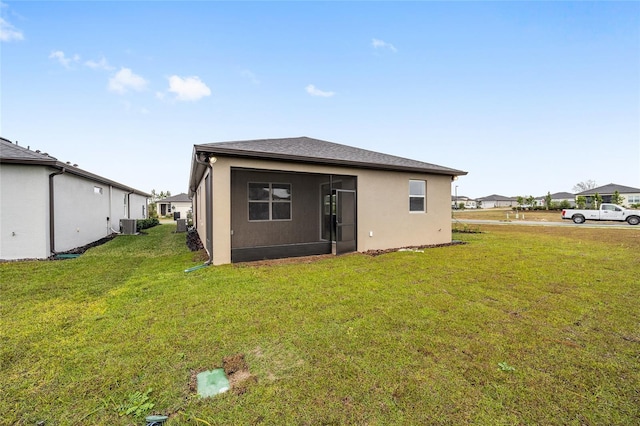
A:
{"points": [[422, 196], [272, 200]]}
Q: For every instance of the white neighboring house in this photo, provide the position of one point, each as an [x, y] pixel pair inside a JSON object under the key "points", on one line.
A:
{"points": [[180, 204], [557, 198], [48, 206], [493, 201], [468, 203]]}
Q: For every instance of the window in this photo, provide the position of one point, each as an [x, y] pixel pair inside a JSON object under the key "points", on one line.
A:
{"points": [[269, 201], [417, 196], [97, 190], [633, 199]]}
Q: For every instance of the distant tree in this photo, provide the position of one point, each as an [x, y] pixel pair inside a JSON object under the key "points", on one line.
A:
{"points": [[565, 204], [531, 201], [584, 186], [520, 200], [156, 196], [581, 201], [597, 201], [547, 201], [616, 198], [153, 210]]}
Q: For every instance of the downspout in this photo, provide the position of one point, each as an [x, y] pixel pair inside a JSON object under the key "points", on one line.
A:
{"points": [[207, 201], [129, 204], [52, 232]]}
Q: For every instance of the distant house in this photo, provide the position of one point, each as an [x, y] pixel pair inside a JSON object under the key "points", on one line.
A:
{"points": [[274, 198], [493, 201], [468, 203], [557, 198], [180, 204], [48, 207], [629, 195]]}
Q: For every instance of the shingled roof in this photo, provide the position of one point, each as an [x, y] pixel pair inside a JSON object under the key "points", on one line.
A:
{"points": [[180, 198], [11, 153], [610, 189], [316, 151]]}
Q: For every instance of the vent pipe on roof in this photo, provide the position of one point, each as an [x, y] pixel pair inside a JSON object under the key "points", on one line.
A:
{"points": [[52, 223]]}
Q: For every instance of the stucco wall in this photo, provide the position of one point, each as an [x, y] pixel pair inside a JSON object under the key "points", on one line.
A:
{"points": [[24, 212], [86, 211], [384, 220], [139, 208], [82, 213]]}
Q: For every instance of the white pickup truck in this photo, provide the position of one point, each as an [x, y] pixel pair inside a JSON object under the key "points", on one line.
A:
{"points": [[606, 212]]}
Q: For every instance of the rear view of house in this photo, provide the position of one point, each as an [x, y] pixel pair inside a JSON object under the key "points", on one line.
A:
{"points": [[274, 198], [178, 206], [48, 207]]}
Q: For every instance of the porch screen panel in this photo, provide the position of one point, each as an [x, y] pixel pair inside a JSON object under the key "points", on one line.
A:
{"points": [[269, 201], [259, 201], [281, 201]]}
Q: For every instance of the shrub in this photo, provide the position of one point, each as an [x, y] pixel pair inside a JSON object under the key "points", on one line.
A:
{"points": [[146, 223]]}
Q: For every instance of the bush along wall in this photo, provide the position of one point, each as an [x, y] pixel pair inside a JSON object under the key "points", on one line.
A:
{"points": [[146, 223]]}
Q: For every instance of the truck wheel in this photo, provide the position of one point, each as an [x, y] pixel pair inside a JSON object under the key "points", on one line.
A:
{"points": [[633, 220], [578, 218]]}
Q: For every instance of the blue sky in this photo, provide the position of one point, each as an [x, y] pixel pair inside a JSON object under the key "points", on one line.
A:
{"points": [[528, 97]]}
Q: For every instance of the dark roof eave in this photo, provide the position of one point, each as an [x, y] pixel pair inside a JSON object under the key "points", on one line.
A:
{"points": [[74, 171], [324, 162]]}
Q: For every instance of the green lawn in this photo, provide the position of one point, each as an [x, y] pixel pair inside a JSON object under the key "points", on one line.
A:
{"points": [[519, 326]]}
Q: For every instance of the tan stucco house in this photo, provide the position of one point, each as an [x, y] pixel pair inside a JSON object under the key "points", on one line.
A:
{"points": [[630, 196], [274, 198]]}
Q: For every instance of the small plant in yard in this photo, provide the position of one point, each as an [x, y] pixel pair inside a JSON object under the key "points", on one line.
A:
{"points": [[137, 404], [146, 223], [503, 366], [464, 228]]}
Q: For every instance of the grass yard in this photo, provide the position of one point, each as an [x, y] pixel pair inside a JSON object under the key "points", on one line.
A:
{"points": [[522, 325]]}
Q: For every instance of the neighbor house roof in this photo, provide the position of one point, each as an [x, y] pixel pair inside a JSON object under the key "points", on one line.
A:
{"points": [[11, 153], [316, 151], [496, 197], [610, 189], [180, 198], [559, 196]]}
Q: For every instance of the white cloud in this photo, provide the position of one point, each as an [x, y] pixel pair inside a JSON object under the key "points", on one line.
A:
{"points": [[8, 32], [188, 88], [314, 91], [125, 80], [102, 64], [65, 61], [380, 44]]}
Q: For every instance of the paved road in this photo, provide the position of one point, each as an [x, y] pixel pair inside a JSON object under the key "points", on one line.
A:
{"points": [[589, 224]]}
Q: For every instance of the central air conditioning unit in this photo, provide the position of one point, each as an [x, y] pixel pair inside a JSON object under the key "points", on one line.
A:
{"points": [[128, 226]]}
